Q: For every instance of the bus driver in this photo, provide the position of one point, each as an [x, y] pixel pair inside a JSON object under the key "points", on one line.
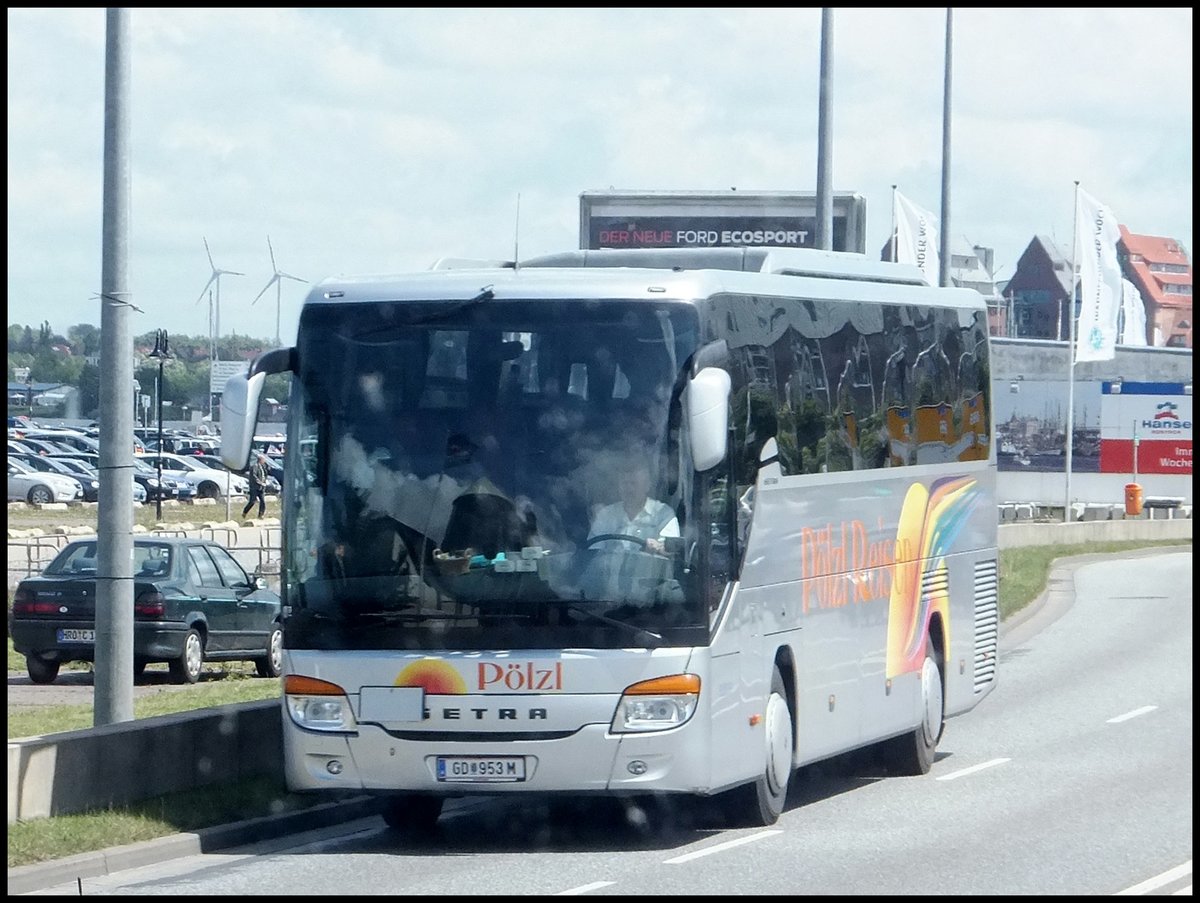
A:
{"points": [[635, 514]]}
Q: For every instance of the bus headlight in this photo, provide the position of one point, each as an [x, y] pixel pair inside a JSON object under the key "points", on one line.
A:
{"points": [[318, 705], [656, 705]]}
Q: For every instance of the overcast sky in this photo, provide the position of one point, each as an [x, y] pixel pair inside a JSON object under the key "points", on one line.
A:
{"points": [[376, 141]]}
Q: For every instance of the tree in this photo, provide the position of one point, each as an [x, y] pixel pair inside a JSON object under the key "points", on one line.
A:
{"points": [[84, 339]]}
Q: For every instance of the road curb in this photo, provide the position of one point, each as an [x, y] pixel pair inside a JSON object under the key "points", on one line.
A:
{"points": [[42, 875]]}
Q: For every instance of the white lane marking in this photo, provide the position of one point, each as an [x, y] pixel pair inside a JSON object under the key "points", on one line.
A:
{"points": [[1157, 881], [1183, 892], [974, 768], [584, 888], [1142, 711], [721, 847]]}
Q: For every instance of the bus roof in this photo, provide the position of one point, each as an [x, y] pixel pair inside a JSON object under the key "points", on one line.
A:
{"points": [[657, 274]]}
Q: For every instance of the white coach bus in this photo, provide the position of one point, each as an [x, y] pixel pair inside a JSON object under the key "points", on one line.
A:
{"points": [[814, 570]]}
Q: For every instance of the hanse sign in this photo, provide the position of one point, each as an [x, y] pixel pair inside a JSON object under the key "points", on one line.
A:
{"points": [[1145, 428]]}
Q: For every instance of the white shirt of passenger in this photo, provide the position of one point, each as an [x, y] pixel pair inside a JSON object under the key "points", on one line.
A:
{"points": [[656, 520]]}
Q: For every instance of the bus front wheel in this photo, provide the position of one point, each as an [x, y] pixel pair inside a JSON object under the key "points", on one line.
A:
{"points": [[412, 812], [760, 803]]}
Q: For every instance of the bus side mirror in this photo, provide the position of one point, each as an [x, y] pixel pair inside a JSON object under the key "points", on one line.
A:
{"points": [[708, 416], [239, 404], [239, 417]]}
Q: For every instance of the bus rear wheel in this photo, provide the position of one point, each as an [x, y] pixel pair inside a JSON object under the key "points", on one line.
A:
{"points": [[412, 812], [913, 753], [760, 803]]}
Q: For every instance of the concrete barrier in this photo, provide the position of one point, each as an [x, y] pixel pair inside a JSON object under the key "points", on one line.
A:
{"points": [[73, 771], [1014, 536]]}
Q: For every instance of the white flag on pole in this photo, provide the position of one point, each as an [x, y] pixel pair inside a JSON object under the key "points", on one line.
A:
{"points": [[917, 238], [1133, 308], [1099, 280]]}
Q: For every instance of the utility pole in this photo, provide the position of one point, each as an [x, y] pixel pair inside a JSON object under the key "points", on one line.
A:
{"points": [[944, 262], [114, 578], [824, 237]]}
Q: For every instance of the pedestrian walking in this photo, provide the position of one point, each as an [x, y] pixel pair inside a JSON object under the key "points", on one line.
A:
{"points": [[258, 486]]}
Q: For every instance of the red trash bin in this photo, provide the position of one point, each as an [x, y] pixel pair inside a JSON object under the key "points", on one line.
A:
{"points": [[1133, 500]]}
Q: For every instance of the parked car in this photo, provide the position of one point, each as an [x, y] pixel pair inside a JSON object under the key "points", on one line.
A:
{"points": [[209, 483], [192, 602], [37, 488], [66, 439], [42, 446], [274, 471], [86, 473], [89, 482], [178, 444], [144, 476], [171, 487]]}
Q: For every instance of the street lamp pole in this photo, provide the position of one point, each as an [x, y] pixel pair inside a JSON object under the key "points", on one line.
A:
{"points": [[161, 352]]}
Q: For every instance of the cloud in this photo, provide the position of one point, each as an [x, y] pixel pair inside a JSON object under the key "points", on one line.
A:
{"points": [[378, 140]]}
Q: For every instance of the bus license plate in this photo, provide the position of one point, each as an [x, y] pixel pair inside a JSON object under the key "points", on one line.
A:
{"points": [[76, 635], [481, 769]]}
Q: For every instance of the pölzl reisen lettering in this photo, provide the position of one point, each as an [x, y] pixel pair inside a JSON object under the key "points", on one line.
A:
{"points": [[837, 556]]}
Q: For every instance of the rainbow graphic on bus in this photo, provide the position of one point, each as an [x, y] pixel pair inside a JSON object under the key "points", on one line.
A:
{"points": [[930, 520]]}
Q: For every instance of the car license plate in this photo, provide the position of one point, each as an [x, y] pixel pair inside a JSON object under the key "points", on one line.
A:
{"points": [[76, 635], [481, 769]]}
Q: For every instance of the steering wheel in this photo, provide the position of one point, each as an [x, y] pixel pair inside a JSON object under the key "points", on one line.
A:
{"points": [[624, 537]]}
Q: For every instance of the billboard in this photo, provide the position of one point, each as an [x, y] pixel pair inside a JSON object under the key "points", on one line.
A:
{"points": [[716, 219], [1145, 428]]}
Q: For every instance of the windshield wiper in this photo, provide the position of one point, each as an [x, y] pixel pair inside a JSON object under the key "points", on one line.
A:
{"points": [[390, 332], [485, 294], [647, 638]]}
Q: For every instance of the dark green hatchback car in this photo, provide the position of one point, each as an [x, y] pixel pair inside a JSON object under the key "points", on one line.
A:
{"points": [[192, 602]]}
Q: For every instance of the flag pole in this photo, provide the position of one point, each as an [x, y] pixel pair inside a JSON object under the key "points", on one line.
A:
{"points": [[1071, 353], [895, 226]]}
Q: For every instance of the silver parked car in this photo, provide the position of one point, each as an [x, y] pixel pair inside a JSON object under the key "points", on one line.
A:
{"points": [[37, 488]]}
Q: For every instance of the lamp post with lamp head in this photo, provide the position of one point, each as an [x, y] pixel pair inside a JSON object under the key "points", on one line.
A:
{"points": [[160, 353]]}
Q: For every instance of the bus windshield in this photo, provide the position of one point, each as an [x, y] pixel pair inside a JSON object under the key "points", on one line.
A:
{"points": [[458, 477]]}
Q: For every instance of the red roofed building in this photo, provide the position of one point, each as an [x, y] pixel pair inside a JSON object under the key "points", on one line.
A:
{"points": [[1160, 269]]}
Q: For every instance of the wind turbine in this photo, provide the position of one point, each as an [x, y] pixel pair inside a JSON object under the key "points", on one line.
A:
{"points": [[277, 279], [214, 319]]}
